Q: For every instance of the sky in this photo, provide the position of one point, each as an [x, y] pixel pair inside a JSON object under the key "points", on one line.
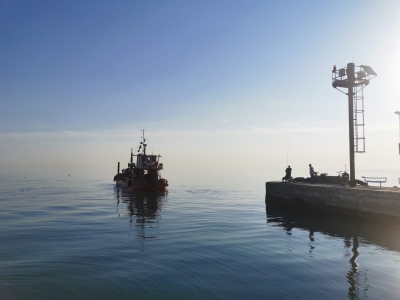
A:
{"points": [[216, 84]]}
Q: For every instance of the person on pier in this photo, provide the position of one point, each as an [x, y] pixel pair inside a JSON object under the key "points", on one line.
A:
{"points": [[312, 173], [288, 174]]}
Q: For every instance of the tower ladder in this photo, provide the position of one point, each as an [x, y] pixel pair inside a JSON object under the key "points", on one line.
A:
{"points": [[358, 119]]}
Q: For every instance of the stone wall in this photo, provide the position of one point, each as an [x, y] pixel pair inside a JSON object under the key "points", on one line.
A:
{"points": [[368, 199]]}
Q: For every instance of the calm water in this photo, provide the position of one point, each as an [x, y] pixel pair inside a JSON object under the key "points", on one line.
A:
{"points": [[210, 237]]}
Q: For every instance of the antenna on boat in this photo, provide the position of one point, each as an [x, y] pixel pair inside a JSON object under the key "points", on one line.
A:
{"points": [[144, 142]]}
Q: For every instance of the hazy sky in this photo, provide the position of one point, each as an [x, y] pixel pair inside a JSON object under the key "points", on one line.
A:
{"points": [[216, 83]]}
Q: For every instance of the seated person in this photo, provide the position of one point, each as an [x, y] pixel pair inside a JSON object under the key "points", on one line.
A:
{"points": [[288, 174]]}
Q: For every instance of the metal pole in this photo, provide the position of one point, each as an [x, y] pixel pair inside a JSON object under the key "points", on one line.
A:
{"points": [[131, 164], [398, 113], [351, 79]]}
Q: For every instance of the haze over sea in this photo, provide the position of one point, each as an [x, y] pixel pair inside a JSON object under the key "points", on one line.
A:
{"points": [[229, 93], [211, 237]]}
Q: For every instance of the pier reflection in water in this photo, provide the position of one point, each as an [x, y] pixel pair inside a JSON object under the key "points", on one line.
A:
{"points": [[143, 209], [380, 232]]}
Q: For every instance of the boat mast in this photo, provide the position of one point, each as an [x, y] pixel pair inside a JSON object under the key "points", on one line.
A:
{"points": [[144, 141], [131, 164]]}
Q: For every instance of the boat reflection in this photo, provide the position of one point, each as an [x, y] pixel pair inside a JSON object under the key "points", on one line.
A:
{"points": [[143, 210], [379, 231]]}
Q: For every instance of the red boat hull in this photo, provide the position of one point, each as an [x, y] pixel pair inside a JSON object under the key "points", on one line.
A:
{"points": [[142, 185]]}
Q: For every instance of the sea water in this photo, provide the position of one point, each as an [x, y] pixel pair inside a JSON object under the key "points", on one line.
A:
{"points": [[71, 234]]}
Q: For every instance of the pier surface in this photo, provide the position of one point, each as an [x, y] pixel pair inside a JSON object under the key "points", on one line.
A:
{"points": [[368, 199]]}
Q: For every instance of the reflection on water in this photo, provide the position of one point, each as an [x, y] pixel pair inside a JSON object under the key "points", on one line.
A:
{"points": [[79, 237], [353, 276], [143, 209], [366, 230]]}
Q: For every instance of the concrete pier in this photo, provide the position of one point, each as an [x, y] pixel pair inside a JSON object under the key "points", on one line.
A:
{"points": [[367, 199]]}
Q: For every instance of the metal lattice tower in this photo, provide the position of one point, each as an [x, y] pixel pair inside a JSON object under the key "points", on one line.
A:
{"points": [[354, 79]]}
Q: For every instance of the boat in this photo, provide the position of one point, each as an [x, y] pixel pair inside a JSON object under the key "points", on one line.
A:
{"points": [[144, 174]]}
